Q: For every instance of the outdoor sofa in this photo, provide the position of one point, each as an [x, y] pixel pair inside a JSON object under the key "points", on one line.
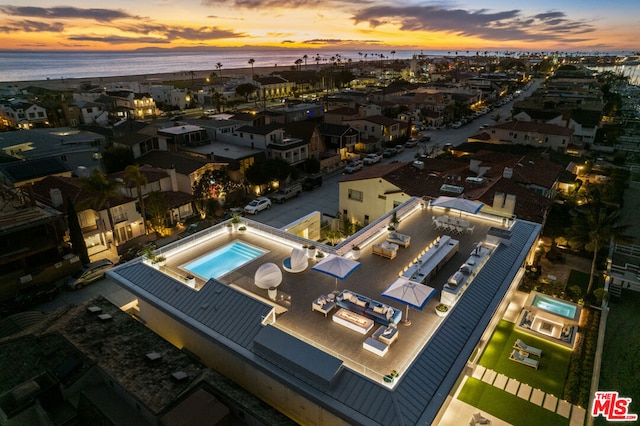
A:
{"points": [[362, 305], [322, 304], [385, 250], [399, 239]]}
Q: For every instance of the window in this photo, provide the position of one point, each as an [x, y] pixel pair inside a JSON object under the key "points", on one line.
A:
{"points": [[355, 195], [366, 219], [382, 197]]}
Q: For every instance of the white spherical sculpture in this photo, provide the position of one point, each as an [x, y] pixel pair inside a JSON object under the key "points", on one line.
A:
{"points": [[268, 276]]}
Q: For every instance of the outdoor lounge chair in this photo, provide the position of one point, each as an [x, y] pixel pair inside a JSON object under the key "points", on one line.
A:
{"points": [[479, 419], [517, 357], [529, 350]]}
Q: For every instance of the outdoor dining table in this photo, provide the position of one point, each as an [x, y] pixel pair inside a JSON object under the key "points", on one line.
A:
{"points": [[445, 219]]}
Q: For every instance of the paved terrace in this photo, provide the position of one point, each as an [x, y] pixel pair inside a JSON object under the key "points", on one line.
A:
{"points": [[371, 279]]}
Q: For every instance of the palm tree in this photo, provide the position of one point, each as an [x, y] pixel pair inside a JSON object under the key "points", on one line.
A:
{"points": [[596, 229], [219, 68], [251, 62], [305, 57], [101, 192], [298, 62], [133, 176]]}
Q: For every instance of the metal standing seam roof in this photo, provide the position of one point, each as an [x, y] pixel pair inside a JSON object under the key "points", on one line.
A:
{"points": [[422, 389], [217, 306]]}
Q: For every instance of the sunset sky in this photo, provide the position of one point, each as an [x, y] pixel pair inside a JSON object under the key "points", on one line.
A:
{"points": [[542, 25]]}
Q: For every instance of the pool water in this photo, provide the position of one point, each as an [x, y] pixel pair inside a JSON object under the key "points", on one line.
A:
{"points": [[554, 306], [224, 260]]}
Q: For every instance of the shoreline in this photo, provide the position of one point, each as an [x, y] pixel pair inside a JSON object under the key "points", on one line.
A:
{"points": [[154, 78]]}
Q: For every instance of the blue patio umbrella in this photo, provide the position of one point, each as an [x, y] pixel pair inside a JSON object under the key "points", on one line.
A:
{"points": [[336, 266], [411, 293]]}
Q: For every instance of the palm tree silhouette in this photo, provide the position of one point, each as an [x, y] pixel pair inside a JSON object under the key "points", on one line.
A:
{"points": [[219, 68], [132, 175], [305, 57], [251, 62]]}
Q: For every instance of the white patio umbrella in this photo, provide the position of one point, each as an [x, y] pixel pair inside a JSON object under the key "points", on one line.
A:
{"points": [[462, 204], [411, 293], [336, 266]]}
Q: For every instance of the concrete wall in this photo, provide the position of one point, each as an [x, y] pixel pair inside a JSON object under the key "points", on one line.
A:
{"points": [[233, 366]]}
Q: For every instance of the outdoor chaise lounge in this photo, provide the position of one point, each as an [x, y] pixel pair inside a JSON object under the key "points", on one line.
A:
{"points": [[479, 419], [297, 262], [529, 350], [399, 239], [518, 357], [322, 304]]}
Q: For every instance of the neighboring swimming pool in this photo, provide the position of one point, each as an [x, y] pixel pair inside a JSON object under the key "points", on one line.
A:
{"points": [[554, 306], [224, 260]]}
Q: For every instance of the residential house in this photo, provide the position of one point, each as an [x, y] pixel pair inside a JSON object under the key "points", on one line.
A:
{"points": [[179, 204], [300, 112], [144, 106], [93, 113], [508, 185], [138, 136], [271, 87], [309, 132], [57, 191], [184, 135], [147, 381], [29, 232], [19, 173], [184, 169], [78, 150], [339, 138], [379, 129], [25, 115], [340, 115], [531, 133]]}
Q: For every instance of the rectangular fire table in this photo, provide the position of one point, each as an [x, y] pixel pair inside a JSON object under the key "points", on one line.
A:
{"points": [[353, 321]]}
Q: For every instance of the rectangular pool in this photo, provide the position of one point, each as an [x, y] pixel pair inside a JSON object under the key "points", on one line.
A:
{"points": [[554, 306], [224, 260]]}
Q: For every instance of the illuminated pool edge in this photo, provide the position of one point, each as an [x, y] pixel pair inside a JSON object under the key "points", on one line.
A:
{"points": [[195, 266]]}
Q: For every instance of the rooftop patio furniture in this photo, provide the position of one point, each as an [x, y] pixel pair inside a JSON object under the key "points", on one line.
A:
{"points": [[323, 304], [479, 419], [375, 346], [518, 357], [297, 262], [362, 305], [388, 250], [399, 239], [386, 335], [529, 350]]}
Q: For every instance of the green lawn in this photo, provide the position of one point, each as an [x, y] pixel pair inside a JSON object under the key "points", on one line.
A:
{"points": [[549, 377], [507, 407], [554, 363]]}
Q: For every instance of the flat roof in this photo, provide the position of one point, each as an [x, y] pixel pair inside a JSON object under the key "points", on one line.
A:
{"points": [[429, 355]]}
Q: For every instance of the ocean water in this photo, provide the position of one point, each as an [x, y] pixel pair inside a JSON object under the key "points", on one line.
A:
{"points": [[34, 65]]}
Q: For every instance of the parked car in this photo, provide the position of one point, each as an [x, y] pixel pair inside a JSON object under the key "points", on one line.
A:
{"points": [[371, 159], [425, 138], [311, 182], [89, 273], [389, 152], [177, 118], [399, 148], [354, 166], [456, 125], [35, 295], [411, 143], [257, 205], [285, 193]]}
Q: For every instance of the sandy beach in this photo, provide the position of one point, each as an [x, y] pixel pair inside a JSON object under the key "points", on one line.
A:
{"points": [[159, 78]]}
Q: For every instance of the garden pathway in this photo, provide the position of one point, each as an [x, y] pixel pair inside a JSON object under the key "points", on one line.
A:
{"points": [[574, 413]]}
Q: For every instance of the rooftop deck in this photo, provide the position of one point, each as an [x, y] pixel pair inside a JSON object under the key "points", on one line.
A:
{"points": [[295, 315]]}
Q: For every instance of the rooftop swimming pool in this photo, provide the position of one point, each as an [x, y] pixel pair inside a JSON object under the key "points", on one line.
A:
{"points": [[554, 306], [224, 260]]}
